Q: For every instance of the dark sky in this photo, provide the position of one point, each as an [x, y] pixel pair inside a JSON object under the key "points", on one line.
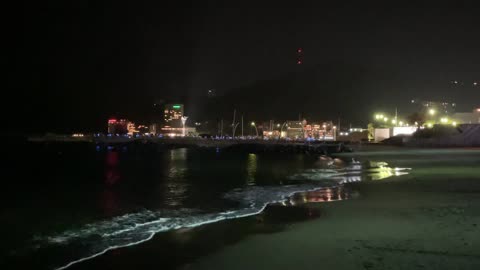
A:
{"points": [[72, 65]]}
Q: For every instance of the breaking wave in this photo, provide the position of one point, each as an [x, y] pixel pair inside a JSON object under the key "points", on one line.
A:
{"points": [[136, 228], [132, 229]]}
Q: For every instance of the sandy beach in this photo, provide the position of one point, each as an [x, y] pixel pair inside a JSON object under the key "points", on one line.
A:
{"points": [[429, 219]]}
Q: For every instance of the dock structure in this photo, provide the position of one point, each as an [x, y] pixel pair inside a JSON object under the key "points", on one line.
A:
{"points": [[233, 145], [253, 146]]}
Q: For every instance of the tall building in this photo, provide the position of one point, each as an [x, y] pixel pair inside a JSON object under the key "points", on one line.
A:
{"points": [[173, 115], [156, 112]]}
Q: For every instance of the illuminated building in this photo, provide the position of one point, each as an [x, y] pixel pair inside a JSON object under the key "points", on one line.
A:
{"points": [[142, 129], [153, 129], [467, 118], [177, 132], [117, 126], [111, 126], [318, 131], [294, 129], [131, 128], [444, 108], [173, 115], [323, 131]]}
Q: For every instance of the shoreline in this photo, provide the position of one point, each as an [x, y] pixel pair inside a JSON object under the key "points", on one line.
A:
{"points": [[417, 221]]}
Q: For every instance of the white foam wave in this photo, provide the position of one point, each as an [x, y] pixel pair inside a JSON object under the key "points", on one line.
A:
{"points": [[136, 228], [133, 229]]}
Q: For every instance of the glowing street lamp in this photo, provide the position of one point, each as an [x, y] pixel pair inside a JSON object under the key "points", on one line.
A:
{"points": [[385, 119], [253, 125], [184, 119], [281, 129], [444, 120], [454, 123], [432, 112], [394, 121]]}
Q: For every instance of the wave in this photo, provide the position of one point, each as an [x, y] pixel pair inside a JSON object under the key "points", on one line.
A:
{"points": [[131, 229]]}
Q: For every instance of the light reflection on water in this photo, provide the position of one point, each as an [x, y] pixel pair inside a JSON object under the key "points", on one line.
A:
{"points": [[329, 194], [347, 172], [176, 183], [324, 183], [251, 169]]}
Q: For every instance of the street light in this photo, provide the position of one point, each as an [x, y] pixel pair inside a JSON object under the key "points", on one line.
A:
{"points": [[184, 119], [253, 125], [281, 129], [431, 112]]}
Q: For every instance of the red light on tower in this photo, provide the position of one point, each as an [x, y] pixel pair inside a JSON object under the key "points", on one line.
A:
{"points": [[112, 121], [299, 56]]}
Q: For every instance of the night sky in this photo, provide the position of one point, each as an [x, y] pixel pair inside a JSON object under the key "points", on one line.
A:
{"points": [[73, 65]]}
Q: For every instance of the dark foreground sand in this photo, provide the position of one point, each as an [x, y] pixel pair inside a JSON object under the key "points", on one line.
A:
{"points": [[429, 219]]}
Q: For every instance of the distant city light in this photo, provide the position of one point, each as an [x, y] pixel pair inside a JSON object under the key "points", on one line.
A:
{"points": [[394, 121], [385, 119], [253, 124], [432, 112], [454, 123], [429, 125], [444, 120]]}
